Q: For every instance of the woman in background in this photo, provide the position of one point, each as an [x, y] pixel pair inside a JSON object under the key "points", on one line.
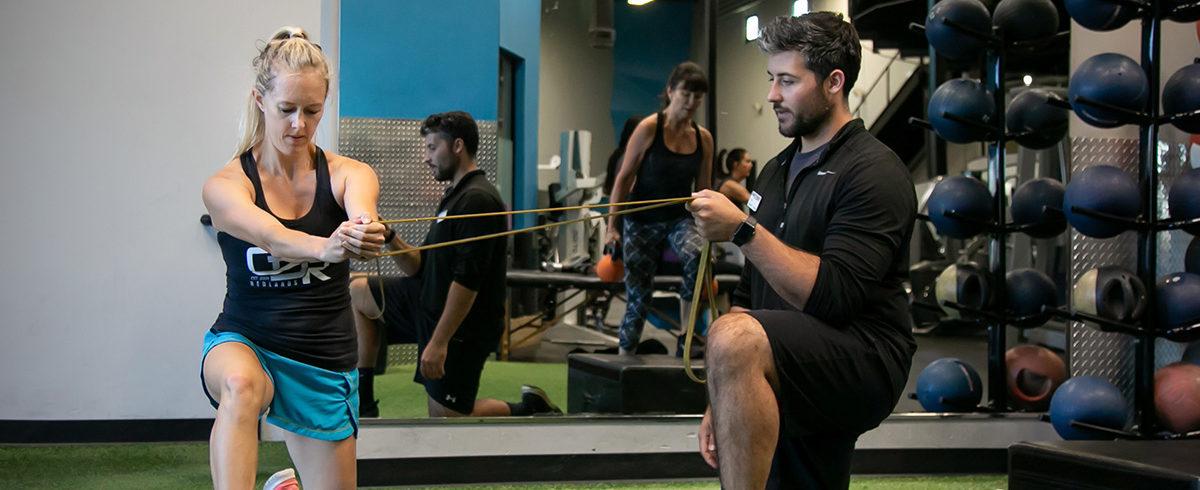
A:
{"points": [[669, 155], [733, 167]]}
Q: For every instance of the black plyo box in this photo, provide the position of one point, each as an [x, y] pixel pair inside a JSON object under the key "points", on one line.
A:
{"points": [[647, 384], [1161, 465]]}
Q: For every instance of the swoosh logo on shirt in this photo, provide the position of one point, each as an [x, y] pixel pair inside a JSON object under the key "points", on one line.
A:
{"points": [[825, 172]]}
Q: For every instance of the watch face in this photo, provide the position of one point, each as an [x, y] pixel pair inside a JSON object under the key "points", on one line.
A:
{"points": [[744, 232]]}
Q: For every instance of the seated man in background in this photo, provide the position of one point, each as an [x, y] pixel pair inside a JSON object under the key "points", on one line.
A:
{"points": [[451, 302]]}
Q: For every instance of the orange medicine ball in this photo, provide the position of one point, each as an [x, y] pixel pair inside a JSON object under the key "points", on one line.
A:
{"points": [[609, 270], [1034, 373], [1177, 396]]}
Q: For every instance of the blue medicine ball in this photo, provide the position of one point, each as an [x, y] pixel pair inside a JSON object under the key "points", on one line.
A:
{"points": [[1181, 94], [1113, 79], [1031, 113], [949, 385], [951, 42], [1026, 20], [966, 99], [1028, 291], [1099, 15], [1102, 188], [1183, 199], [1091, 400], [1029, 207], [964, 195], [1178, 297]]}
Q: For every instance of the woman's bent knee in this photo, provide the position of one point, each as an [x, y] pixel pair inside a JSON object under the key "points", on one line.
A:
{"points": [[244, 392]]}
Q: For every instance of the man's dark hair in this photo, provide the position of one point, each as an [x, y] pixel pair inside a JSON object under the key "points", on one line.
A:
{"points": [[454, 125], [826, 40]]}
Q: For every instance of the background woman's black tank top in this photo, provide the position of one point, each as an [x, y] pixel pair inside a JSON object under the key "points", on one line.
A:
{"points": [[299, 310], [664, 174]]}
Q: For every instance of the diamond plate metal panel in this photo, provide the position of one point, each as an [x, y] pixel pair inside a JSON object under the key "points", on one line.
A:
{"points": [[1110, 355], [401, 354], [407, 189], [1092, 352]]}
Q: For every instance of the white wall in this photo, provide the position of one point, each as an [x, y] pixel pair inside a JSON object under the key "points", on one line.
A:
{"points": [[744, 117], [113, 115], [576, 84]]}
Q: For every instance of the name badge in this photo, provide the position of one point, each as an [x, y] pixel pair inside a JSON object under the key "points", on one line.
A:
{"points": [[441, 215], [755, 198]]}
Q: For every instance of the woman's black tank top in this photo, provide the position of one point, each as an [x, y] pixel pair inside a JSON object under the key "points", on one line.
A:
{"points": [[665, 174], [299, 310]]}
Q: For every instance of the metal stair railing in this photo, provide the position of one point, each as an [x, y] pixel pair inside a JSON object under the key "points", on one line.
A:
{"points": [[872, 102]]}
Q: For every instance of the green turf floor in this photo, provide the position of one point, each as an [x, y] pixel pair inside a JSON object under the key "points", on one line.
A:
{"points": [[400, 398], [185, 465]]}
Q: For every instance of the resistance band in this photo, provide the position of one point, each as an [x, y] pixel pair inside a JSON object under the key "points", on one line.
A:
{"points": [[703, 274]]}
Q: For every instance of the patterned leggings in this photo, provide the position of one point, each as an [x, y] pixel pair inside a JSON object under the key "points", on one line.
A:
{"points": [[642, 248]]}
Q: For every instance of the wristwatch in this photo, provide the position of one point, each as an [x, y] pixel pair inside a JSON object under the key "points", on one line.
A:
{"points": [[745, 231]]}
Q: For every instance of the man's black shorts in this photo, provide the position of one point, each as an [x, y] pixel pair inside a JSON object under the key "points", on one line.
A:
{"points": [[405, 321], [834, 384]]}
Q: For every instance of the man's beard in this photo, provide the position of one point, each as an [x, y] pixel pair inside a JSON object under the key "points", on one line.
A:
{"points": [[804, 125], [444, 174]]}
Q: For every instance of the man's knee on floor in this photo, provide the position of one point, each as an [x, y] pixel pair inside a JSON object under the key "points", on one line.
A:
{"points": [[436, 409], [360, 295]]}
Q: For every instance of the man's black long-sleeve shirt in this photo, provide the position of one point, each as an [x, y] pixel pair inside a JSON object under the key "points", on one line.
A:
{"points": [[479, 266], [854, 208]]}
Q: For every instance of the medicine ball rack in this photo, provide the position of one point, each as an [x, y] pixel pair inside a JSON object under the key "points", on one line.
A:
{"points": [[998, 228], [1147, 226], [1145, 426]]}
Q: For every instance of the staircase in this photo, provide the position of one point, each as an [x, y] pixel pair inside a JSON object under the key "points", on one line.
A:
{"points": [[886, 102]]}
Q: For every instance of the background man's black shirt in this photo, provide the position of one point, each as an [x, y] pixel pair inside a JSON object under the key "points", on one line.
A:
{"points": [[478, 266]]}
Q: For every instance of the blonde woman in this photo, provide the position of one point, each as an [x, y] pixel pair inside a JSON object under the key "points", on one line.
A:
{"points": [[289, 215]]}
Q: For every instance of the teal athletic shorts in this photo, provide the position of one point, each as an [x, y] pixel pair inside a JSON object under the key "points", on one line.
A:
{"points": [[309, 400]]}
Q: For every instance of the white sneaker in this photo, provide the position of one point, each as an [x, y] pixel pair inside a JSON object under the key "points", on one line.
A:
{"points": [[282, 480]]}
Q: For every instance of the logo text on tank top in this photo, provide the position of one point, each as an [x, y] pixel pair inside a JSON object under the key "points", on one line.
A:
{"points": [[271, 272]]}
